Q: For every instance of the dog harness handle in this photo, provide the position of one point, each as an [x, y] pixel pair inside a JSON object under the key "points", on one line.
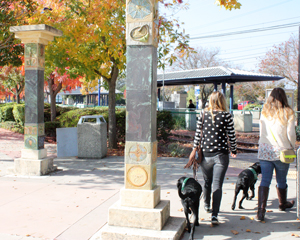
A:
{"points": [[184, 182], [254, 173]]}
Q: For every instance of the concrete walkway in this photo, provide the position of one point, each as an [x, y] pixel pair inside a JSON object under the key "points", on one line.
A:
{"points": [[72, 203]]}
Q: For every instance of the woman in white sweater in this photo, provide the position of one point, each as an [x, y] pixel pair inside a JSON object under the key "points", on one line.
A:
{"points": [[277, 132]]}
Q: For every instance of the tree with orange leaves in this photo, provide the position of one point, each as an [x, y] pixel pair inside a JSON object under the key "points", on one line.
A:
{"points": [[13, 13], [12, 80]]}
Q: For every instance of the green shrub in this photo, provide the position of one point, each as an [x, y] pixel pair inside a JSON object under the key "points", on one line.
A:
{"points": [[19, 114], [251, 106], [176, 150], [50, 128], [12, 126], [165, 123], [179, 121], [71, 118], [6, 113]]}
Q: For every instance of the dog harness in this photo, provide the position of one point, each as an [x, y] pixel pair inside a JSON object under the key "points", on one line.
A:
{"points": [[184, 182], [254, 173]]}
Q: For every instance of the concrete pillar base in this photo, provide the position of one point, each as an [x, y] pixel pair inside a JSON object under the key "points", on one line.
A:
{"points": [[140, 198], [173, 229], [33, 167], [154, 218], [33, 154]]}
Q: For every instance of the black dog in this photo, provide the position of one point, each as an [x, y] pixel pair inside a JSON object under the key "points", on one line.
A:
{"points": [[189, 190], [246, 179]]}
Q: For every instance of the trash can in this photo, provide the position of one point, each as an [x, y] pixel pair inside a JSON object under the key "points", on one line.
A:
{"points": [[242, 121], [190, 120], [256, 113], [92, 137]]}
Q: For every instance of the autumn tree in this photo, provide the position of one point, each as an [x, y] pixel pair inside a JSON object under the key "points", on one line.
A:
{"points": [[55, 81], [282, 60], [13, 13], [254, 91], [12, 80]]}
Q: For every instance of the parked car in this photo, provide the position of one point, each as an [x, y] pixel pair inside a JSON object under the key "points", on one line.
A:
{"points": [[243, 104]]}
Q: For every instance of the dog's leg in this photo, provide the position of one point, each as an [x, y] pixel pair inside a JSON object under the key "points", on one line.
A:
{"points": [[195, 222], [245, 195], [237, 190], [186, 212], [252, 190]]}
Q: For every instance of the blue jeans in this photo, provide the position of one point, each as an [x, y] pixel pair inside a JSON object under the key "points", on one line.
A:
{"points": [[213, 170], [267, 168]]}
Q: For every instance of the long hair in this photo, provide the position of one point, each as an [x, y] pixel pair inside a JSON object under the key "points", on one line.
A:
{"points": [[277, 107], [217, 102]]}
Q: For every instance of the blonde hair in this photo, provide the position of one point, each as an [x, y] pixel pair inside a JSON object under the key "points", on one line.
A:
{"points": [[277, 107], [217, 102]]}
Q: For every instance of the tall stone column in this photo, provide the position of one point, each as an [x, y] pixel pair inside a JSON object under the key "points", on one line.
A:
{"points": [[34, 159], [140, 207]]}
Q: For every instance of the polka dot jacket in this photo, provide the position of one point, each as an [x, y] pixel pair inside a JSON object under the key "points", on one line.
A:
{"points": [[216, 134]]}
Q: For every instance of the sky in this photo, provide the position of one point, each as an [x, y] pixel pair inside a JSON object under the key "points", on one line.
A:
{"points": [[206, 19]]}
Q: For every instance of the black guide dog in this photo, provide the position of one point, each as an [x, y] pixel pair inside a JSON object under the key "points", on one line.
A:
{"points": [[189, 190], [246, 179]]}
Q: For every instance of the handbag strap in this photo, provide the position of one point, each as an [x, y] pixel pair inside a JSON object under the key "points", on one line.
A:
{"points": [[275, 138]]}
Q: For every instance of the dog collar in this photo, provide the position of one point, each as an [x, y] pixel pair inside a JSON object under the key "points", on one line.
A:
{"points": [[184, 182], [254, 173]]}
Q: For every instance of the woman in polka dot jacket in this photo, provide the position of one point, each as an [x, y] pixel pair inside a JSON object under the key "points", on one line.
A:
{"points": [[218, 127]]}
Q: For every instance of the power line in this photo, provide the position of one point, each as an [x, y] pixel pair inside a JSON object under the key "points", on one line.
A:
{"points": [[254, 24], [242, 57], [242, 15], [233, 39], [250, 30]]}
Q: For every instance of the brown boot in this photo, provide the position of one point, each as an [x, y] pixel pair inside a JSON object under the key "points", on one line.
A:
{"points": [[263, 193], [283, 203]]}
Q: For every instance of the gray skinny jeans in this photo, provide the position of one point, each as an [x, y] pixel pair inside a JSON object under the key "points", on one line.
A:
{"points": [[214, 170]]}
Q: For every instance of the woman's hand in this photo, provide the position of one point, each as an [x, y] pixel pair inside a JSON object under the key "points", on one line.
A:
{"points": [[233, 155], [193, 154]]}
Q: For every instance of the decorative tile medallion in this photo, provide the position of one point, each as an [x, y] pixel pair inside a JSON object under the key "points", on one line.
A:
{"points": [[140, 34], [31, 142], [137, 152], [139, 9], [137, 176]]}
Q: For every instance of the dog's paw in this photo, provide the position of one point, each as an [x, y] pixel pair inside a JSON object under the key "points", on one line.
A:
{"points": [[241, 207], [232, 207], [197, 223]]}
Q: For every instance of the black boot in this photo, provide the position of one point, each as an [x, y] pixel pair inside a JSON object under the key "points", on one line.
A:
{"points": [[263, 193], [283, 203]]}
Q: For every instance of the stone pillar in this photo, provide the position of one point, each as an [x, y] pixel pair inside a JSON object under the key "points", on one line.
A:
{"points": [[34, 159], [140, 207]]}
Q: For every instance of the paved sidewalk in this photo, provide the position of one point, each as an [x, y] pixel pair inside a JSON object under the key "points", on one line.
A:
{"points": [[72, 204]]}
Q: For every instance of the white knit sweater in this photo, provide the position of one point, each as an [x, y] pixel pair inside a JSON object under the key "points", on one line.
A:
{"points": [[285, 135]]}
